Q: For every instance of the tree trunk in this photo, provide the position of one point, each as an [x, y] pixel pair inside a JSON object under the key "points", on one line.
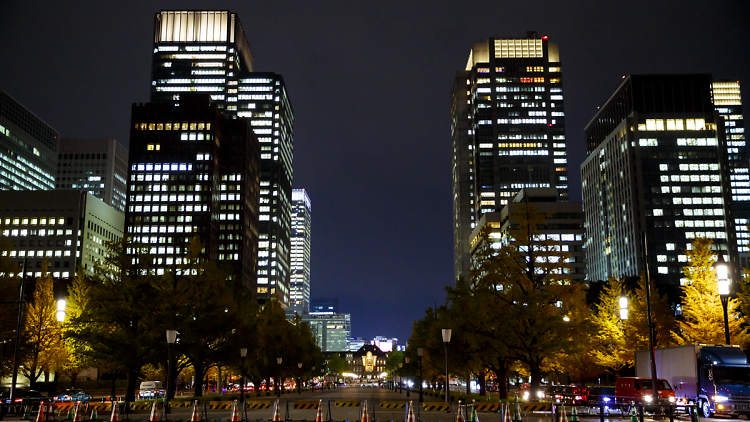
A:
{"points": [[130, 391], [502, 379], [468, 383], [535, 368], [113, 387], [482, 383], [198, 387]]}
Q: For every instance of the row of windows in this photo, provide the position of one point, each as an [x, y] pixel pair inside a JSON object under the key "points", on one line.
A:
{"points": [[173, 126]]}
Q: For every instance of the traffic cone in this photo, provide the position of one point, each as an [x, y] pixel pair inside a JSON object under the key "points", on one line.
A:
{"points": [[77, 415], [410, 416], [70, 414], [506, 415], [195, 417], [460, 417], [365, 414], [115, 416], [40, 417], [319, 415], [517, 411], [574, 415], [154, 413], [276, 412], [94, 414], [633, 415], [694, 417], [474, 417], [26, 414], [564, 416], [235, 412]]}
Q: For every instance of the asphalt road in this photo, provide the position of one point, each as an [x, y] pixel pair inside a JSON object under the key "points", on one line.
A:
{"points": [[374, 397]]}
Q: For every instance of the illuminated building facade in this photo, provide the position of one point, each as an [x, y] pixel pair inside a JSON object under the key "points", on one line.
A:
{"points": [[657, 164], [68, 228], [728, 102], [98, 166], [565, 226], [207, 52], [508, 131], [367, 363], [194, 173], [331, 332], [28, 148], [300, 255]]}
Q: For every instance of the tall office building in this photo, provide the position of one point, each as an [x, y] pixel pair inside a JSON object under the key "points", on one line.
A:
{"points": [[728, 102], [332, 332], [657, 164], [300, 256], [508, 131], [194, 173], [28, 148], [98, 166], [207, 52], [68, 228]]}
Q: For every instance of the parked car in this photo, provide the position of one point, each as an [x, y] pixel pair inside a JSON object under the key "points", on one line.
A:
{"points": [[567, 394], [600, 395], [25, 396], [73, 394], [150, 390], [639, 390]]}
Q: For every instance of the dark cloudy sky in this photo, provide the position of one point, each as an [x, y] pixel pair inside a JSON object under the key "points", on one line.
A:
{"points": [[370, 83]]}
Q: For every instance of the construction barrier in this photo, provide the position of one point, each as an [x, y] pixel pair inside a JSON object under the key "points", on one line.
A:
{"points": [[392, 405], [224, 404], [62, 406], [347, 403], [140, 405], [265, 404], [435, 407], [486, 407], [180, 403], [540, 407], [305, 404]]}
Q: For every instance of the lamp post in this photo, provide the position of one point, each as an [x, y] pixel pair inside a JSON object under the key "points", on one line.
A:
{"points": [[171, 338], [278, 378], [22, 291], [400, 379], [420, 352], [651, 326], [406, 359], [299, 378], [623, 307], [446, 340], [243, 354], [723, 281]]}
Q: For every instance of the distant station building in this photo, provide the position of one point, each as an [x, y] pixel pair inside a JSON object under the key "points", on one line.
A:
{"points": [[367, 363]]}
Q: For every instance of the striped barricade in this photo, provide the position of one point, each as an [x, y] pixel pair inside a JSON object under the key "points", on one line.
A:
{"points": [[142, 405], [258, 404], [180, 403], [392, 405], [537, 407], [62, 407], [435, 407], [486, 407], [347, 403], [305, 404], [223, 404]]}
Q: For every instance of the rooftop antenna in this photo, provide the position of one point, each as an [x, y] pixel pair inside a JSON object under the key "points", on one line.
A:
{"points": [[532, 34]]}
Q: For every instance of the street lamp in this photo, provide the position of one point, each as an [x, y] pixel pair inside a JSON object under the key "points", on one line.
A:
{"points": [[278, 379], [171, 338], [420, 352], [446, 340], [400, 380], [60, 310], [299, 378], [243, 354], [723, 281], [623, 307], [406, 359]]}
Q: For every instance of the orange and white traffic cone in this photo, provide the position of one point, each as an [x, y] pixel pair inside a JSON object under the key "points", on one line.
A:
{"points": [[115, 416], [195, 417], [276, 412], [506, 415], [460, 417], [40, 417], [410, 414], [564, 417], [235, 412], [154, 413], [77, 414], [365, 413], [319, 415]]}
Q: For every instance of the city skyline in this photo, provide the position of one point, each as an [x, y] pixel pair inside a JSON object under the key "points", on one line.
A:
{"points": [[371, 92]]}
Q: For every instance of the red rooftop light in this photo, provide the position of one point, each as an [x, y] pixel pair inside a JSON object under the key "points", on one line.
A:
{"points": [[544, 37]]}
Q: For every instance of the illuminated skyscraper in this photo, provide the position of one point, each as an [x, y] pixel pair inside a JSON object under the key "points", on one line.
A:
{"points": [[28, 148], [98, 166], [657, 164], [300, 256], [728, 102], [207, 52], [508, 131]]}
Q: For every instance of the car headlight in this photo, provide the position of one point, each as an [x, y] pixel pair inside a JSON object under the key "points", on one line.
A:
{"points": [[606, 400], [720, 399], [648, 398], [540, 394], [671, 399], [525, 395]]}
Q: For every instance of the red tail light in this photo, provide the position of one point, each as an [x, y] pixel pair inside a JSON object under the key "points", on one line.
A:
{"points": [[18, 400]]}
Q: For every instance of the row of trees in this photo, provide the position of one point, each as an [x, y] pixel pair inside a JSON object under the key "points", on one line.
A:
{"points": [[119, 311], [520, 313]]}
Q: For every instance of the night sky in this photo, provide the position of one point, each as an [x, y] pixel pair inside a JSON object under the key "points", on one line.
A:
{"points": [[370, 85]]}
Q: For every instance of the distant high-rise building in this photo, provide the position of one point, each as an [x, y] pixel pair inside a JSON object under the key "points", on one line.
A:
{"points": [[67, 228], [325, 306], [194, 173], [331, 332], [728, 102], [657, 164], [28, 148], [508, 131], [300, 256], [207, 52], [98, 166], [565, 225]]}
